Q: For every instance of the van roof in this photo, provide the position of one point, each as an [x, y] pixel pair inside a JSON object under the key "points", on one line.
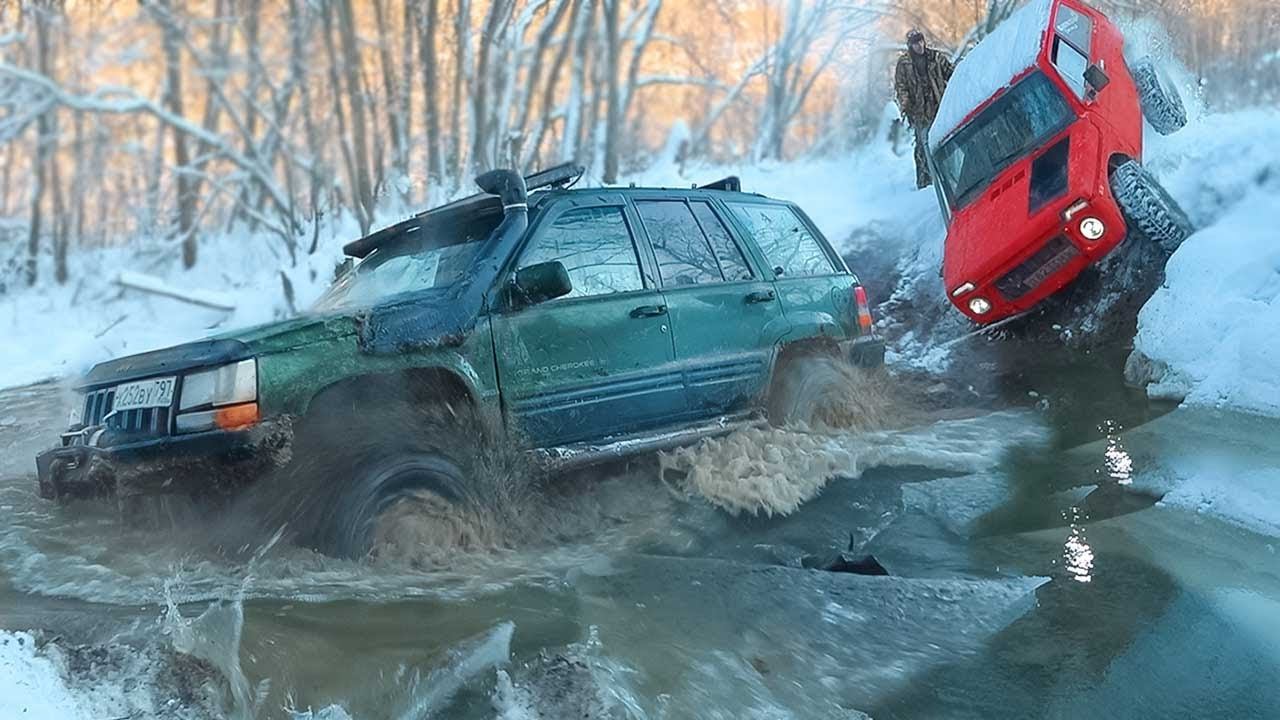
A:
{"points": [[992, 66]]}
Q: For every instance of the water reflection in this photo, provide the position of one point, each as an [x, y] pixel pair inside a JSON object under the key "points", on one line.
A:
{"points": [[1118, 462], [1077, 554]]}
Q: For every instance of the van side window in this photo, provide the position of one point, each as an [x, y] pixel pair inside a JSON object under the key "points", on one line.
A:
{"points": [[732, 262], [1071, 47], [595, 246], [684, 256], [788, 246]]}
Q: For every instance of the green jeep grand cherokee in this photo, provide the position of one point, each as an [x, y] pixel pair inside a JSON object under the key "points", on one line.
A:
{"points": [[584, 324]]}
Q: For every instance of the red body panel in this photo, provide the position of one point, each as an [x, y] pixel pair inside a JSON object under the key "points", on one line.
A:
{"points": [[996, 232]]}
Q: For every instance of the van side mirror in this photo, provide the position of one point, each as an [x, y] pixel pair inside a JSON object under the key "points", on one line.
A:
{"points": [[1095, 78], [539, 283]]}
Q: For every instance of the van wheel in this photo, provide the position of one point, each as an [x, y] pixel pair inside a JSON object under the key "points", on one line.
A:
{"points": [[370, 472], [1161, 103], [1148, 209]]}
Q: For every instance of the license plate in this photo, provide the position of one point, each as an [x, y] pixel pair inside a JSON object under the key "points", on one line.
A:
{"points": [[156, 392], [1056, 263]]}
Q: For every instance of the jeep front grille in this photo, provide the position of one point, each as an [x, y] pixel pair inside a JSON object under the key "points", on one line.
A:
{"points": [[1036, 269], [146, 421]]}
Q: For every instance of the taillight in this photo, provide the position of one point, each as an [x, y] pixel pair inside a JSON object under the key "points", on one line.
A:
{"points": [[864, 309]]}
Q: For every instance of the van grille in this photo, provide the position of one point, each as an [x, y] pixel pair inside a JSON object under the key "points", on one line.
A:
{"points": [[1054, 256]]}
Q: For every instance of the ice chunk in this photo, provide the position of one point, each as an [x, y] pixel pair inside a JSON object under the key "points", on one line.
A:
{"points": [[746, 639]]}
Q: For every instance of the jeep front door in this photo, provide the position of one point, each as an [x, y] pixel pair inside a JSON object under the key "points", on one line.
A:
{"points": [[598, 361]]}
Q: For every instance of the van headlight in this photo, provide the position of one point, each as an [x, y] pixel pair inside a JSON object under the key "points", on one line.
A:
{"points": [[227, 385], [980, 306], [1092, 228]]}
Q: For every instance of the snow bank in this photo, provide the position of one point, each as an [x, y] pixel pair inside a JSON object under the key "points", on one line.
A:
{"points": [[1211, 335], [1213, 330], [990, 66], [31, 683]]}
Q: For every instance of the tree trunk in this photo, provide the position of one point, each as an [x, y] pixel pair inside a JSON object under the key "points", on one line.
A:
{"points": [[355, 102], [181, 157], [427, 53], [461, 62], [613, 109], [393, 100]]}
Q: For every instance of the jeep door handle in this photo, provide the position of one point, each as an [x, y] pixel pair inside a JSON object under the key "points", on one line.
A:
{"points": [[649, 311], [760, 296]]}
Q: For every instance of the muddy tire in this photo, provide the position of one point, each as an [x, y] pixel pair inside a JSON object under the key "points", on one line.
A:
{"points": [[1161, 103], [815, 388], [358, 463], [1148, 209]]}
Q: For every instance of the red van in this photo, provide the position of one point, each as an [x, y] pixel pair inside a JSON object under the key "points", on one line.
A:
{"points": [[1036, 154]]}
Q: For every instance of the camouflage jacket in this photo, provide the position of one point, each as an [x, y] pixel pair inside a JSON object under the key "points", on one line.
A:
{"points": [[919, 96]]}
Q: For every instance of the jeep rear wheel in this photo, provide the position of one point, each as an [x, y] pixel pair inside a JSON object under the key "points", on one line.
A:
{"points": [[1161, 103], [815, 388], [1148, 209]]}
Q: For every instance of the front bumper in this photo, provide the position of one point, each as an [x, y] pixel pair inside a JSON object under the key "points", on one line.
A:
{"points": [[212, 461], [866, 351]]}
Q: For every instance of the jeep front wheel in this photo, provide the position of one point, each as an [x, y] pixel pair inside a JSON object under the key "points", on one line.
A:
{"points": [[1161, 103], [1147, 207], [408, 506]]}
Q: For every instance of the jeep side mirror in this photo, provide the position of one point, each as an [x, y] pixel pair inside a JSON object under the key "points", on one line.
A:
{"points": [[1096, 79], [539, 283]]}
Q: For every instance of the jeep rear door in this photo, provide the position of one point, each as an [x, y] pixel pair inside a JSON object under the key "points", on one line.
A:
{"points": [[814, 287], [598, 361], [724, 315]]}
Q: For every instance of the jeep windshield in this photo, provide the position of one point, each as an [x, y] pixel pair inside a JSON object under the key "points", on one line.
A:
{"points": [[1017, 123], [422, 258]]}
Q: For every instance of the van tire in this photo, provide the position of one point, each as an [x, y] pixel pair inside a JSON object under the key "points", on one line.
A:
{"points": [[1161, 103], [1148, 209]]}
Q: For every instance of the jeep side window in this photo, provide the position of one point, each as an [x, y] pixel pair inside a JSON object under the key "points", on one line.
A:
{"points": [[1071, 47], [788, 246], [732, 262], [684, 256], [595, 246]]}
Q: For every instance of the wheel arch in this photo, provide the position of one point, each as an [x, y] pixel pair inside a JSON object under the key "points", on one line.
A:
{"points": [[417, 385]]}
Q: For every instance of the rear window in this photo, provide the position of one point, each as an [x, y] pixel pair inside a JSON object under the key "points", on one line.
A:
{"points": [[788, 245], [684, 257]]}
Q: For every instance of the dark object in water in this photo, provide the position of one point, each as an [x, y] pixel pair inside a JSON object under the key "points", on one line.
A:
{"points": [[845, 562]]}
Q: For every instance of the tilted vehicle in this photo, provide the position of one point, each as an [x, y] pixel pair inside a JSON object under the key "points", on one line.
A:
{"points": [[584, 324], [1037, 151]]}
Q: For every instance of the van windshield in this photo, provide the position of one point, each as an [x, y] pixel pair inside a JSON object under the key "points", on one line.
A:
{"points": [[1022, 119]]}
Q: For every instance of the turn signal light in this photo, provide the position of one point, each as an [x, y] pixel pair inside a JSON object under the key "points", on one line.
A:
{"points": [[236, 416]]}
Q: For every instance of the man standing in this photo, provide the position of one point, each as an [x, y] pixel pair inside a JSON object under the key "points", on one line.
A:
{"points": [[919, 81]]}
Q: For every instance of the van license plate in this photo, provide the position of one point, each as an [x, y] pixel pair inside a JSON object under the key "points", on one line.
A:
{"points": [[156, 392]]}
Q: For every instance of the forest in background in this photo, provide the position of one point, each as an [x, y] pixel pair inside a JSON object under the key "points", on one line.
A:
{"points": [[165, 121]]}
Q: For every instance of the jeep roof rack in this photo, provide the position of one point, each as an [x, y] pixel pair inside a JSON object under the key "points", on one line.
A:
{"points": [[558, 176], [731, 183]]}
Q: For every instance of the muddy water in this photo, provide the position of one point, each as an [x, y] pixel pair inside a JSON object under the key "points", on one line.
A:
{"points": [[1026, 580]]}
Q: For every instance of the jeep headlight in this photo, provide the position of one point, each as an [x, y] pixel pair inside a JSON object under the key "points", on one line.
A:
{"points": [[227, 385]]}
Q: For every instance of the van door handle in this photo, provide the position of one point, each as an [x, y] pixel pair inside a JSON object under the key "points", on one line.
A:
{"points": [[760, 296], [649, 311]]}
